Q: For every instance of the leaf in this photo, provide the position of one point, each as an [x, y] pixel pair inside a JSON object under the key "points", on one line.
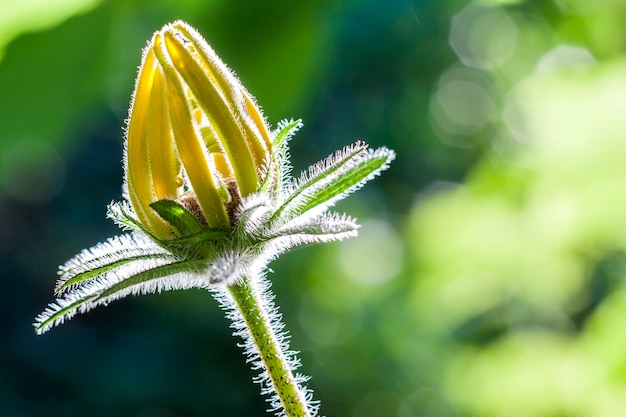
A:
{"points": [[109, 287], [122, 214], [284, 132], [349, 181], [99, 271], [57, 313], [206, 235], [108, 256], [178, 216], [278, 166], [146, 276], [318, 176], [328, 227], [252, 213]]}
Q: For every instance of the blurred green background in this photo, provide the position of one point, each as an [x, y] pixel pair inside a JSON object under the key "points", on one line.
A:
{"points": [[489, 277]]}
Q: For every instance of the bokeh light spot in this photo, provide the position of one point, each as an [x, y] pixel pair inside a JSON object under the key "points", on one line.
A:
{"points": [[565, 57], [375, 257], [32, 171], [462, 104], [483, 36], [466, 103]]}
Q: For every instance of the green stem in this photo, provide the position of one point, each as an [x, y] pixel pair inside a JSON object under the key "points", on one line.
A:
{"points": [[253, 312]]}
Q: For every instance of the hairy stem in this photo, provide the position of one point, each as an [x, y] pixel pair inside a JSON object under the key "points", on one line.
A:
{"points": [[269, 349]]}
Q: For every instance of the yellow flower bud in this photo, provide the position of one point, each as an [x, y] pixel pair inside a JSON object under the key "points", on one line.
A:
{"points": [[195, 135]]}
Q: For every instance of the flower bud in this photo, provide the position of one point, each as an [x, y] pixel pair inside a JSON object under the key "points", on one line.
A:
{"points": [[194, 135]]}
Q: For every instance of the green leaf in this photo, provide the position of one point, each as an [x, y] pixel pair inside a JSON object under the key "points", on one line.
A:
{"points": [[206, 235], [320, 174], [96, 272], [276, 166], [85, 298], [327, 228], [350, 180], [285, 131], [178, 216], [151, 274], [63, 311]]}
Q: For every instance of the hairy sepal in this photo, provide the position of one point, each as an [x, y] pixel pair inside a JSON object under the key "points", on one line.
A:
{"points": [[314, 197], [299, 193], [277, 168], [327, 227], [148, 276], [114, 254], [285, 131], [178, 217], [123, 215], [365, 168], [252, 214]]}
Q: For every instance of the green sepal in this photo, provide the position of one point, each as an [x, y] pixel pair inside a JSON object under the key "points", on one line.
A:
{"points": [[275, 169], [310, 187], [285, 133], [178, 217], [152, 274], [204, 236], [348, 180], [96, 272], [88, 301], [123, 215], [39, 327]]}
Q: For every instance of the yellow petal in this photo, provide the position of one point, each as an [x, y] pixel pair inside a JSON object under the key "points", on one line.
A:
{"points": [[257, 132], [138, 137], [234, 92], [191, 147], [164, 164], [220, 95]]}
